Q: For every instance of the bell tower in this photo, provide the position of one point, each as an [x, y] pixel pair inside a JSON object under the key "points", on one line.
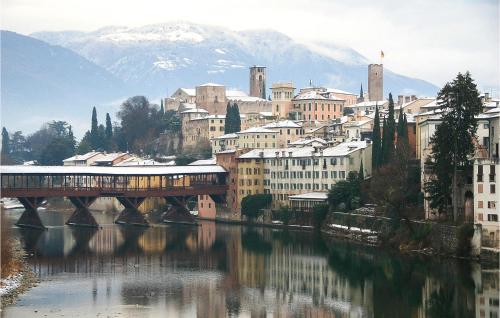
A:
{"points": [[258, 81]]}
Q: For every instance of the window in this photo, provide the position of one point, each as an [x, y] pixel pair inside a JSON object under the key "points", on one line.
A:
{"points": [[492, 204], [480, 204], [479, 188], [493, 217], [492, 188]]}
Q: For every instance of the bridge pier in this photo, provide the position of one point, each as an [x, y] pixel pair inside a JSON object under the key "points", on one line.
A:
{"points": [[178, 213], [131, 214], [30, 217], [82, 215]]}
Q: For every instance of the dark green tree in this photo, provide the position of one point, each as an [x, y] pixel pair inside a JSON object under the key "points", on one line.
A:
{"points": [[252, 205], [361, 173], [376, 147], [162, 109], [228, 124], [452, 145], [345, 192], [5, 142], [109, 128], [384, 158], [389, 132], [236, 118]]}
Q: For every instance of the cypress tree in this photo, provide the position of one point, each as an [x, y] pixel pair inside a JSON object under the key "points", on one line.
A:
{"points": [[376, 151], [391, 130], [237, 118], [94, 133], [227, 123], [361, 174], [5, 142], [162, 110], [401, 124], [109, 127], [385, 144]]}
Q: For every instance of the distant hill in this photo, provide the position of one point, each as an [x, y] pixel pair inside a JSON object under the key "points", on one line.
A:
{"points": [[157, 59], [42, 82]]}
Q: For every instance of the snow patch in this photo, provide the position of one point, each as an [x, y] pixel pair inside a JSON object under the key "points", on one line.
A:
{"points": [[10, 283], [220, 51]]}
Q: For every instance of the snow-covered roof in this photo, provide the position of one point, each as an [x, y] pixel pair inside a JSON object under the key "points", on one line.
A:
{"points": [[283, 124], [135, 161], [227, 136], [313, 196], [195, 110], [203, 162], [189, 105], [358, 123], [84, 157], [211, 84], [338, 91], [309, 95], [257, 130], [189, 91], [369, 104], [266, 114], [111, 157], [339, 150], [93, 170], [308, 141]]}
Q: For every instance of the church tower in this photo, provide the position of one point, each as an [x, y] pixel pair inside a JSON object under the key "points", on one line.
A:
{"points": [[258, 81]]}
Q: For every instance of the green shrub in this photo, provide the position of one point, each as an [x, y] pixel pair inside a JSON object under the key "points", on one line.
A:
{"points": [[465, 233], [252, 205], [319, 214]]}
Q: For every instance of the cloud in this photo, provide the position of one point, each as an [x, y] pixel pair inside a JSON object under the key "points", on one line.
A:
{"points": [[432, 40]]}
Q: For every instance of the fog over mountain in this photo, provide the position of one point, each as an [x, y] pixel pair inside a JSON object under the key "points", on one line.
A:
{"points": [[154, 60]]}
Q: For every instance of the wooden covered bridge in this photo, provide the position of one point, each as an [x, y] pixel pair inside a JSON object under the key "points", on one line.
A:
{"points": [[130, 185]]}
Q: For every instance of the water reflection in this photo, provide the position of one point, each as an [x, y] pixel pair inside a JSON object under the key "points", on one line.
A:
{"points": [[213, 271]]}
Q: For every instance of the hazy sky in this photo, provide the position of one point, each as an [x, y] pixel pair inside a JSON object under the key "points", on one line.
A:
{"points": [[429, 39]]}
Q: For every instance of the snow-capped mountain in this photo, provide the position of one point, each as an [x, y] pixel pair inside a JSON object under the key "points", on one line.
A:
{"points": [[157, 59]]}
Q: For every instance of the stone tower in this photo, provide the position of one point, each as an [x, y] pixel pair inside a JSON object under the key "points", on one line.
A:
{"points": [[258, 81], [375, 82]]}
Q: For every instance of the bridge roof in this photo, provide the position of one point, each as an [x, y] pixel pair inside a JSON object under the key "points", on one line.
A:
{"points": [[129, 171]]}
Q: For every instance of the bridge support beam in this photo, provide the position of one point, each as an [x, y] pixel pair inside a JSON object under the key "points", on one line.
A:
{"points": [[178, 213], [30, 217], [82, 215], [131, 214]]}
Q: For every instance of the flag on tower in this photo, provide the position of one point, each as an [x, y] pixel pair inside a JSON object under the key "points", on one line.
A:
{"points": [[381, 54]]}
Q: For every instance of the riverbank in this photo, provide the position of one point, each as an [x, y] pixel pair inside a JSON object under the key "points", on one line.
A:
{"points": [[258, 224], [19, 282]]}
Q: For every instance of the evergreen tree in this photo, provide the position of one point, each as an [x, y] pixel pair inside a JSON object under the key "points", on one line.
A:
{"points": [[452, 143], [109, 132], [384, 155], [5, 142], [237, 118], [376, 147], [94, 133], [228, 124], [361, 173], [361, 94], [401, 126], [391, 130], [162, 110]]}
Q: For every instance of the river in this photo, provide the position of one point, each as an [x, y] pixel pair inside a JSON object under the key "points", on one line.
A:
{"points": [[216, 270]]}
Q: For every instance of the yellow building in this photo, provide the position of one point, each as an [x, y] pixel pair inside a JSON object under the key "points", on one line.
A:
{"points": [[250, 178], [257, 137]]}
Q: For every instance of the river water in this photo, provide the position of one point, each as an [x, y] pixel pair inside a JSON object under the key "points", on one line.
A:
{"points": [[224, 270]]}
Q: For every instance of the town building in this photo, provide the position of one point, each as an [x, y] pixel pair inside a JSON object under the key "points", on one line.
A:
{"points": [[224, 143], [111, 159], [257, 137], [282, 95], [316, 104], [202, 129], [288, 131], [283, 172], [87, 159]]}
